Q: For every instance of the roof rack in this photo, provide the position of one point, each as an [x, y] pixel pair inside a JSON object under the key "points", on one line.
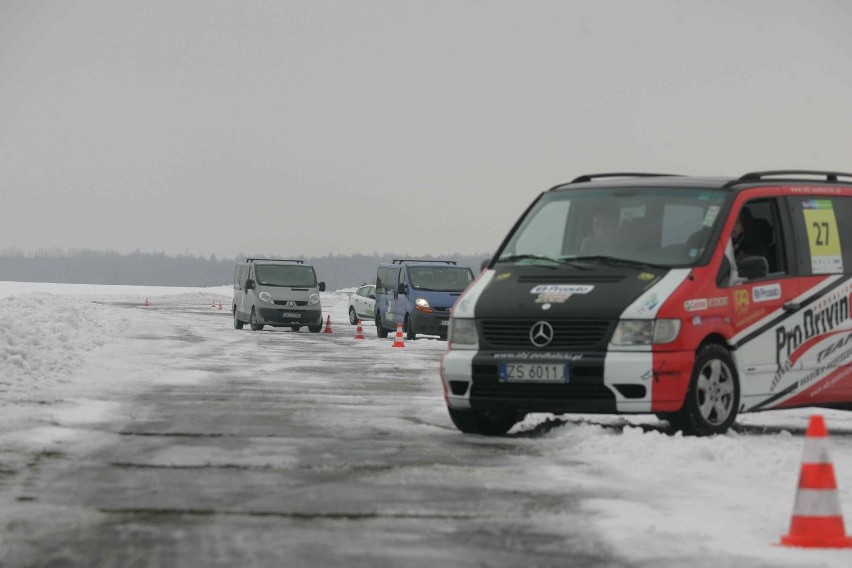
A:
{"points": [[830, 177], [590, 177], [277, 260], [403, 260]]}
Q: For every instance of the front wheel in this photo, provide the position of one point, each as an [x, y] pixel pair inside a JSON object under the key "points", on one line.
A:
{"points": [[295, 327], [353, 317], [486, 422], [315, 328], [406, 327], [253, 322], [380, 330], [238, 323], [713, 397]]}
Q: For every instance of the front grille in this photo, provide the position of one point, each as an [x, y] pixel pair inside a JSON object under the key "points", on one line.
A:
{"points": [[567, 334], [287, 302]]}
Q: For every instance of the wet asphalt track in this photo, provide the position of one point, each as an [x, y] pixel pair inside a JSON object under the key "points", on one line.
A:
{"points": [[274, 448]]}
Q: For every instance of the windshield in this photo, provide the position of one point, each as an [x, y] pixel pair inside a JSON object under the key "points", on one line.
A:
{"points": [[293, 275], [657, 226], [440, 278]]}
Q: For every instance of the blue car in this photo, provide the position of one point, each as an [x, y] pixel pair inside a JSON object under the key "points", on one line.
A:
{"points": [[419, 294]]}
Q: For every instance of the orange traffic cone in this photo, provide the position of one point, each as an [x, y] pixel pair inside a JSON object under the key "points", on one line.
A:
{"points": [[213, 303], [817, 518], [359, 331], [398, 342], [146, 303], [220, 304], [328, 326]]}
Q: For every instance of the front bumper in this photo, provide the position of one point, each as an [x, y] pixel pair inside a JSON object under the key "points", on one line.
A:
{"points": [[599, 382], [289, 316], [435, 323]]}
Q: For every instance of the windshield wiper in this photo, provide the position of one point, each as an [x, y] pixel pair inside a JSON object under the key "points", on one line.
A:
{"points": [[517, 257], [610, 259]]}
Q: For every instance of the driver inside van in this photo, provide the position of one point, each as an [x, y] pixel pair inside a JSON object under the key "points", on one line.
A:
{"points": [[604, 227]]}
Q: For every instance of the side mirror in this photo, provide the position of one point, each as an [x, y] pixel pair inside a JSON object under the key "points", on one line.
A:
{"points": [[403, 289], [752, 267], [249, 284], [322, 286]]}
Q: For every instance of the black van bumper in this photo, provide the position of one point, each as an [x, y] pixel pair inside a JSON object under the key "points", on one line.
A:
{"points": [[285, 317], [430, 323]]}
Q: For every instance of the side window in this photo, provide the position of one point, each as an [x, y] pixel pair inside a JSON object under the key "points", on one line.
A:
{"points": [[244, 274], [237, 284], [391, 282], [757, 244], [825, 245], [380, 277]]}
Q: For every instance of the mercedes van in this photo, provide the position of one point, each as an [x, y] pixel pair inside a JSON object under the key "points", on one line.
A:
{"points": [[419, 294], [277, 293], [691, 298]]}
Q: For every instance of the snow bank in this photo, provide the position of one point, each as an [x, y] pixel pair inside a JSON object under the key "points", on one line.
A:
{"points": [[45, 336]]}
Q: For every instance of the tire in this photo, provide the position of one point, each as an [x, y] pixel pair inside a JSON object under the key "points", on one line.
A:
{"points": [[253, 322], [485, 422], [315, 328], [380, 330], [713, 397], [238, 323], [406, 327], [295, 327], [353, 317]]}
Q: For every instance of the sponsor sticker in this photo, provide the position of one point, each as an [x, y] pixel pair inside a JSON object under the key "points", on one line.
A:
{"points": [[766, 293], [695, 305], [696, 320], [741, 302], [719, 302], [649, 303], [558, 293], [710, 216]]}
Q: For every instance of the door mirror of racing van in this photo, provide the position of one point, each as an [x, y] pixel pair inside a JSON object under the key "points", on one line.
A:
{"points": [[249, 284], [322, 286], [752, 267], [403, 289]]}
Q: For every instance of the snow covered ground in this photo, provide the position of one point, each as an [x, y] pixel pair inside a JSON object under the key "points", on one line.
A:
{"points": [[653, 497]]}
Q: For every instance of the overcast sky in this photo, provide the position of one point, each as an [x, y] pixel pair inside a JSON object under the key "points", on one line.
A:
{"points": [[420, 127]]}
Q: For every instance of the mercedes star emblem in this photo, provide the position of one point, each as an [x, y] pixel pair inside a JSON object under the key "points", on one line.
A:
{"points": [[541, 334]]}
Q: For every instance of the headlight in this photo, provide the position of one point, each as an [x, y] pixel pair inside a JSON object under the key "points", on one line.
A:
{"points": [[463, 332], [422, 304], [645, 332], [313, 299], [266, 297]]}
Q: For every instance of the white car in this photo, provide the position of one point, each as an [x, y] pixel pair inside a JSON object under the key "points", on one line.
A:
{"points": [[362, 304]]}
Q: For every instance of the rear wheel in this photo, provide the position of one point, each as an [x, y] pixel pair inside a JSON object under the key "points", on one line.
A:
{"points": [[486, 422], [315, 328], [253, 322], [380, 331], [238, 323], [353, 317], [713, 398], [406, 327]]}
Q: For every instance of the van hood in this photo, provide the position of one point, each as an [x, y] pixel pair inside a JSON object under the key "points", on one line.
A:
{"points": [[587, 290]]}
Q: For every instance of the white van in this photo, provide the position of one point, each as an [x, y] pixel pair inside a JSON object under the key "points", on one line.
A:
{"points": [[277, 293]]}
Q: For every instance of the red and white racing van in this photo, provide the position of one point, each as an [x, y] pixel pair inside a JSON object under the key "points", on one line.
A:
{"points": [[691, 298]]}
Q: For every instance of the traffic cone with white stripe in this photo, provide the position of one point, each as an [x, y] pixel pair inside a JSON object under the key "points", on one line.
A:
{"points": [[399, 341], [817, 517], [328, 326], [359, 331]]}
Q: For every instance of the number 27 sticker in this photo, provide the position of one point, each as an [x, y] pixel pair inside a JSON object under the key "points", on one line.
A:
{"points": [[823, 239]]}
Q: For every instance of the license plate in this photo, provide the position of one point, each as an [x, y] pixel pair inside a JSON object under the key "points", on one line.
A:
{"points": [[533, 372], [289, 315], [445, 322]]}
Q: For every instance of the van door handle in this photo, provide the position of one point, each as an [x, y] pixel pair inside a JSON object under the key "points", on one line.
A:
{"points": [[791, 306]]}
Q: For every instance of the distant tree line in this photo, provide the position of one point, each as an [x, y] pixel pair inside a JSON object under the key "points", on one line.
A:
{"points": [[159, 269]]}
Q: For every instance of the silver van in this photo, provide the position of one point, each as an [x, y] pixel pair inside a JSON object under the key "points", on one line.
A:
{"points": [[277, 293]]}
